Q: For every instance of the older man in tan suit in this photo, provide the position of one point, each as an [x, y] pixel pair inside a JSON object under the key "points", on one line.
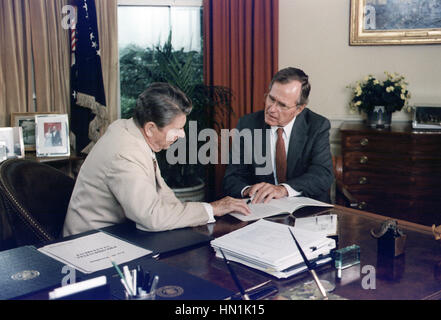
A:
{"points": [[120, 179]]}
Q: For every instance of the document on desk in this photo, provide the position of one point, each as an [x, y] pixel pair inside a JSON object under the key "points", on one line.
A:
{"points": [[268, 246], [325, 225], [278, 206], [94, 252]]}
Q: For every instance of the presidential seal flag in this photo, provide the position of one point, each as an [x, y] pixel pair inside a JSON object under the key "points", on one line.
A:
{"points": [[88, 101]]}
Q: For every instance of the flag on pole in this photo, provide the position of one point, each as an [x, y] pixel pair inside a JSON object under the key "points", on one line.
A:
{"points": [[88, 108]]}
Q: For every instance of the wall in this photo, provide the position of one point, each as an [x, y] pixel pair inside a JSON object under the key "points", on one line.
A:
{"points": [[314, 36]]}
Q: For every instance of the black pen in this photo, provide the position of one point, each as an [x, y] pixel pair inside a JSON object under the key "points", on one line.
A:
{"points": [[236, 280], [250, 199], [140, 278], [146, 283], [310, 267]]}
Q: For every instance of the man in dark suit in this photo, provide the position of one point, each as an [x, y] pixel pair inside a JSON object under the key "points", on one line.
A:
{"points": [[295, 146]]}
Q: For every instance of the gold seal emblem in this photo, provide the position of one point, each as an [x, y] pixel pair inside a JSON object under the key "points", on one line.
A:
{"points": [[25, 275], [170, 291]]}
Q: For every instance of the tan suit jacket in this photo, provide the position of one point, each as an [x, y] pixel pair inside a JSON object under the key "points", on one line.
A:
{"points": [[118, 181]]}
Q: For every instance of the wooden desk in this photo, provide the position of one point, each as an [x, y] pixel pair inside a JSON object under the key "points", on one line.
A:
{"points": [[416, 275]]}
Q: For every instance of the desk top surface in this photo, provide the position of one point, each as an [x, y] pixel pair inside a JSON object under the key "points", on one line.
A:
{"points": [[414, 275]]}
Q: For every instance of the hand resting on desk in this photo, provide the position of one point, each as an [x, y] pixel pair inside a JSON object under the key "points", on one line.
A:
{"points": [[264, 192], [228, 205]]}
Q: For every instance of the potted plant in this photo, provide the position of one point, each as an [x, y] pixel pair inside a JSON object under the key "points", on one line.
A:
{"points": [[379, 99], [184, 70]]}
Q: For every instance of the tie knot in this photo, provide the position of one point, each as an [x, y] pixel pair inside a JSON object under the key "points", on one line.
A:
{"points": [[280, 132]]}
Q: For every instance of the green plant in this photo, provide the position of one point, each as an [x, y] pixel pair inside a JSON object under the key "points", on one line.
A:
{"points": [[139, 67], [392, 93]]}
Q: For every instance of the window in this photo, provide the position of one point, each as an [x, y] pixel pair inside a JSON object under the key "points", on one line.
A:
{"points": [[148, 26]]}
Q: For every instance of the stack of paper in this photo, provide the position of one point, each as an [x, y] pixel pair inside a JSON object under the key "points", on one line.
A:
{"points": [[269, 247]]}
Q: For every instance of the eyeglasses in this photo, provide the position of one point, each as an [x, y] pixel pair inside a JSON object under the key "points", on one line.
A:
{"points": [[270, 100]]}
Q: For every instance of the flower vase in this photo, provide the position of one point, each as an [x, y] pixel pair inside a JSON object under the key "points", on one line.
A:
{"points": [[379, 117]]}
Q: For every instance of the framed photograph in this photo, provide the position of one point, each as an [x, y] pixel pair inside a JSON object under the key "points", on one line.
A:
{"points": [[11, 143], [52, 135], [26, 121], [389, 22]]}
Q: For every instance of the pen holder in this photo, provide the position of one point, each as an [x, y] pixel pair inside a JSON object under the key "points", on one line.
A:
{"points": [[391, 240], [142, 296], [391, 246]]}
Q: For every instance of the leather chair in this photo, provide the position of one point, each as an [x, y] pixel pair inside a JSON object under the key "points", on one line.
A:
{"points": [[34, 203]]}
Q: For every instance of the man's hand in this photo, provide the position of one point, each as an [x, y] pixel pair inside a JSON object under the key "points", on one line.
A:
{"points": [[265, 192], [227, 205]]}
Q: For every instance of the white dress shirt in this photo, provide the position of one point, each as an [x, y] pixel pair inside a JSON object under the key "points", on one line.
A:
{"points": [[286, 136]]}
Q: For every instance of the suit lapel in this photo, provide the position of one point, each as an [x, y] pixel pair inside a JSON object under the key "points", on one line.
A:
{"points": [[266, 150], [297, 142]]}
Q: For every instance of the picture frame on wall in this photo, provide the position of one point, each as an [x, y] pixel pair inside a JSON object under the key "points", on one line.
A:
{"points": [[395, 22], [52, 135], [26, 120], [11, 143]]}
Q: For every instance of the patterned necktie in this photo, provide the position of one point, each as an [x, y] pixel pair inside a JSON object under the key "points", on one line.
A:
{"points": [[280, 157]]}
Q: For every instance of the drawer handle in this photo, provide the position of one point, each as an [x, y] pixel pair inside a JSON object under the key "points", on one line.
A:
{"points": [[364, 142], [362, 205], [363, 180], [363, 160]]}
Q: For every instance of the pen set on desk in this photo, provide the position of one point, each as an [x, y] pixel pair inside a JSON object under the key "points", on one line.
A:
{"points": [[137, 283]]}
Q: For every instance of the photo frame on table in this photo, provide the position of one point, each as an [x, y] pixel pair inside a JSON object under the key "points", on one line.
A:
{"points": [[11, 143], [26, 120], [395, 22], [52, 135]]}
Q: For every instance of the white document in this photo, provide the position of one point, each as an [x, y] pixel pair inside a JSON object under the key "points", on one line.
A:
{"points": [[278, 206], [94, 252], [269, 245], [325, 225]]}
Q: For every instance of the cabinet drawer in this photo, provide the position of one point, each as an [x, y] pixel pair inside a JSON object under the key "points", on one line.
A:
{"points": [[412, 144], [369, 179], [391, 163], [376, 143], [399, 208], [393, 191]]}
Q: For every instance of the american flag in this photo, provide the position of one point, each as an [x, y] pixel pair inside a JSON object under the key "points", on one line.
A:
{"points": [[88, 108]]}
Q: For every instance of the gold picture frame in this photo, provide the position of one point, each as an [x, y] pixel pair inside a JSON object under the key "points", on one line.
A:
{"points": [[394, 22], [26, 120]]}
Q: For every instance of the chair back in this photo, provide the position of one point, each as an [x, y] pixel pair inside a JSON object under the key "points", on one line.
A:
{"points": [[35, 198]]}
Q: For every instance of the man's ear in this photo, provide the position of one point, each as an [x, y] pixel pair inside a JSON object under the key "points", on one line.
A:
{"points": [[150, 128], [300, 109]]}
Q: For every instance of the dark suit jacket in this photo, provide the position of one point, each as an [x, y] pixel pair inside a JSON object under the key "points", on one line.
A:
{"points": [[310, 168]]}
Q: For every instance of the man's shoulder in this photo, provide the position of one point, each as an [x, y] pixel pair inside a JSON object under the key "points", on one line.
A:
{"points": [[313, 118], [253, 120]]}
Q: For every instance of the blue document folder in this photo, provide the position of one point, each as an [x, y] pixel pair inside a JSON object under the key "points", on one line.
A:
{"points": [[164, 242], [25, 270]]}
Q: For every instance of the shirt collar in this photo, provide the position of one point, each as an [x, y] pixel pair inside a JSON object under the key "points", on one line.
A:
{"points": [[287, 129]]}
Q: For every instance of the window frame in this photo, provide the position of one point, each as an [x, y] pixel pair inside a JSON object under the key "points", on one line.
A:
{"points": [[152, 3]]}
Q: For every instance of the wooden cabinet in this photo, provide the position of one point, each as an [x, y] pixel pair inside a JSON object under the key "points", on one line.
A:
{"points": [[395, 172]]}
